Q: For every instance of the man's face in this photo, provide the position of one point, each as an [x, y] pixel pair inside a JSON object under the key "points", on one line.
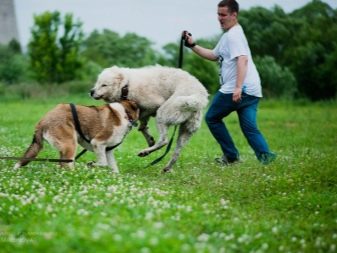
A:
{"points": [[226, 18]]}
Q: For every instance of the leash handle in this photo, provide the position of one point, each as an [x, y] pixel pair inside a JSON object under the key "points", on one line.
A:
{"points": [[181, 52]]}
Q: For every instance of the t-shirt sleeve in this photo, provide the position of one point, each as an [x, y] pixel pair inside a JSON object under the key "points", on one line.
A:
{"points": [[216, 50], [237, 45]]}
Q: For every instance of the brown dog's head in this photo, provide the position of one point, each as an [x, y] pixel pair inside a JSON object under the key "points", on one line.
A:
{"points": [[131, 109]]}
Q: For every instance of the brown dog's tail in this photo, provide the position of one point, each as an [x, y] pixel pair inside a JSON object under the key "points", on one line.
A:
{"points": [[33, 149]]}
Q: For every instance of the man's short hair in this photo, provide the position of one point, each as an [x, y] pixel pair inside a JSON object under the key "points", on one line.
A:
{"points": [[232, 5]]}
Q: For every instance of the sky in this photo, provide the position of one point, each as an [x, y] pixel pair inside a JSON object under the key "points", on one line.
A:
{"points": [[159, 21]]}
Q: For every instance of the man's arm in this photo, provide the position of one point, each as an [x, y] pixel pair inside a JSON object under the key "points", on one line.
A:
{"points": [[201, 51], [241, 64], [204, 52]]}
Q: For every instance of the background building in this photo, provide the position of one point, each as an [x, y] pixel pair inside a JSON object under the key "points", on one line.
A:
{"points": [[8, 26]]}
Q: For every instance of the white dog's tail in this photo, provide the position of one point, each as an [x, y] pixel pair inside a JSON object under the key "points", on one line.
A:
{"points": [[33, 149], [192, 102], [181, 108]]}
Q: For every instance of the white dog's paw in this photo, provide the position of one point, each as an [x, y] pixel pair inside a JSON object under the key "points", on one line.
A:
{"points": [[16, 166], [167, 169], [115, 171], [91, 164], [143, 153]]}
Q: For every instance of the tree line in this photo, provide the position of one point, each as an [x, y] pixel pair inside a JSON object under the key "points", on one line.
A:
{"points": [[295, 53]]}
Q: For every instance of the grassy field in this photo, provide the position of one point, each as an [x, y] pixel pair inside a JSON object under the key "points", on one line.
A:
{"points": [[287, 206]]}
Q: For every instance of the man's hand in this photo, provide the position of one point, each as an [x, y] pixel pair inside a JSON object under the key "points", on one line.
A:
{"points": [[188, 41], [237, 95]]}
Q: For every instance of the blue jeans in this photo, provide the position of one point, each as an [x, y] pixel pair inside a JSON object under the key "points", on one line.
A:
{"points": [[221, 106]]}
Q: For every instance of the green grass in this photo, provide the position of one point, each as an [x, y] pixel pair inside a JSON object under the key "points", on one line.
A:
{"points": [[288, 206]]}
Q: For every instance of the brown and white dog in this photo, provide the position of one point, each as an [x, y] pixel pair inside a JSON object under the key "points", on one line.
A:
{"points": [[104, 126]]}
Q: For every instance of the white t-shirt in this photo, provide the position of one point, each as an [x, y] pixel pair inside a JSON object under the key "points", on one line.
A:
{"points": [[233, 44]]}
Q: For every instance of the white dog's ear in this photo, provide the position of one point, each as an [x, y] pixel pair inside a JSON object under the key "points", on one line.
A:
{"points": [[120, 77]]}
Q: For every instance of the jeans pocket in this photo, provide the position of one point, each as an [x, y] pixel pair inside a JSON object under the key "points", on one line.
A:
{"points": [[244, 95]]}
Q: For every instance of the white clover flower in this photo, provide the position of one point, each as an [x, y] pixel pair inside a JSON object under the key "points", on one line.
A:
{"points": [[244, 238], [112, 188], [117, 237], [203, 237], [274, 230], [186, 247], [154, 241], [158, 225], [149, 216], [265, 246], [49, 209], [224, 203], [229, 237], [145, 250], [140, 234], [48, 235], [82, 212]]}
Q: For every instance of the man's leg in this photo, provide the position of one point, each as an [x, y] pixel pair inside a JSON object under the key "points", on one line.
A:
{"points": [[221, 106], [247, 116]]}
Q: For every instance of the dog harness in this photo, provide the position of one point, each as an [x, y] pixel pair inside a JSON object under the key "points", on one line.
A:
{"points": [[79, 131]]}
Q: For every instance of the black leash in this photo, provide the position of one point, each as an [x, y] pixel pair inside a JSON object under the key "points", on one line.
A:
{"points": [[166, 151], [78, 128], [36, 159], [180, 64]]}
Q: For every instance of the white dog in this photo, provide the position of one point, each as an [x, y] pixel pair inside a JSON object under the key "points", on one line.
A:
{"points": [[171, 95], [100, 127]]}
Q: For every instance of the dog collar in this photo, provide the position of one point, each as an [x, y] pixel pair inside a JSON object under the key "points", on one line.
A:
{"points": [[125, 92], [132, 122]]}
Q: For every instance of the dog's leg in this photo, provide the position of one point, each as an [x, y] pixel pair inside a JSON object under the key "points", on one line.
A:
{"points": [[163, 129], [99, 150], [111, 161], [144, 129], [183, 137], [33, 149], [67, 152]]}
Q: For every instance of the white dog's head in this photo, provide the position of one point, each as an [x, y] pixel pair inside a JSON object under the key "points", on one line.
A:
{"points": [[109, 85]]}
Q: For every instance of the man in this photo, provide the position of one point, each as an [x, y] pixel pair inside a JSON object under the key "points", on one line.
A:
{"points": [[240, 89]]}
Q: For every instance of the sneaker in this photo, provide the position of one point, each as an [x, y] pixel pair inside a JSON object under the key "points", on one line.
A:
{"points": [[267, 158], [224, 161]]}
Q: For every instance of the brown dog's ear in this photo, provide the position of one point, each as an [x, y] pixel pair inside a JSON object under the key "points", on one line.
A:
{"points": [[133, 105], [130, 104], [131, 108]]}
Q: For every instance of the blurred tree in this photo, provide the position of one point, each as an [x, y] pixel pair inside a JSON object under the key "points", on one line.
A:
{"points": [[13, 64], [108, 48], [277, 81], [303, 41], [55, 58], [267, 31], [312, 56]]}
